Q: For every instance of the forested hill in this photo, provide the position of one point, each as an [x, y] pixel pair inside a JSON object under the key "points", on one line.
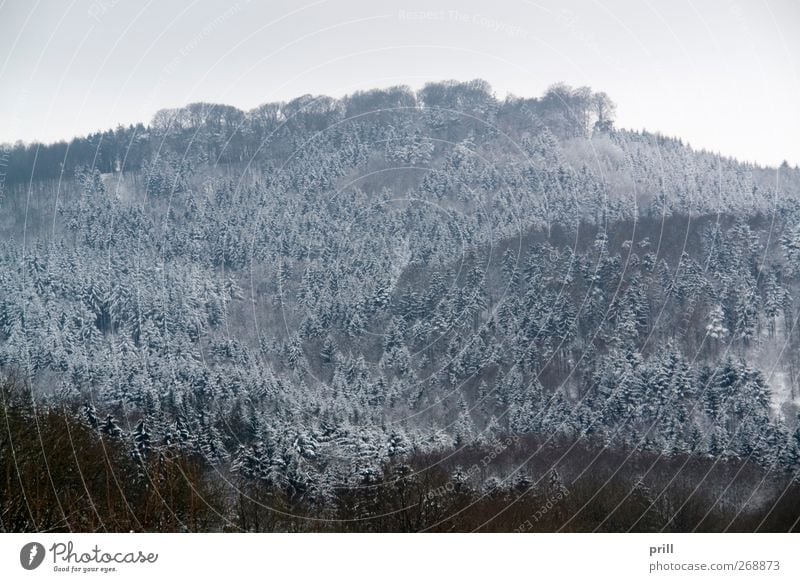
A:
{"points": [[303, 293]]}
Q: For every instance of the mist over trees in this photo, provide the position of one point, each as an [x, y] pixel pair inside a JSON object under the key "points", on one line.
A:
{"points": [[313, 303]]}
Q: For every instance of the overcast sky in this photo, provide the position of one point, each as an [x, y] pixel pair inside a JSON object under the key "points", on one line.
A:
{"points": [[721, 74]]}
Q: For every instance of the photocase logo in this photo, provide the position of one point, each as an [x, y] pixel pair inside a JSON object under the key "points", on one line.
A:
{"points": [[31, 555]]}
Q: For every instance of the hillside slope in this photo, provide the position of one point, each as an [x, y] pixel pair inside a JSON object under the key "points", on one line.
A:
{"points": [[308, 291]]}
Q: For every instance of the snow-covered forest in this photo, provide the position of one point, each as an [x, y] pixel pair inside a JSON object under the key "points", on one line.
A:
{"points": [[332, 309]]}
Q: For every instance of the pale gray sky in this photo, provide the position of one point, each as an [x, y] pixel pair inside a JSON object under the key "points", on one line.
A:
{"points": [[721, 74]]}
